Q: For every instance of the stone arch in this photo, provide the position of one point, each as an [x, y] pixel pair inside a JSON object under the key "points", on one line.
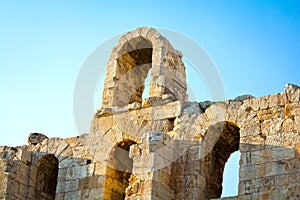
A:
{"points": [[46, 177], [132, 68], [118, 171], [226, 137], [131, 60]]}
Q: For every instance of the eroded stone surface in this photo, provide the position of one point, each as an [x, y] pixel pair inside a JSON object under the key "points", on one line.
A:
{"points": [[36, 138], [162, 147]]}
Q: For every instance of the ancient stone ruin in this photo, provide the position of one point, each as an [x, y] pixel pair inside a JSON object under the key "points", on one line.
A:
{"points": [[161, 147]]}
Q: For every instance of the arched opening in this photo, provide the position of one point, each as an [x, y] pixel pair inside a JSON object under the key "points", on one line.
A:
{"points": [[132, 68], [227, 142], [231, 175], [46, 178], [147, 86], [118, 171]]}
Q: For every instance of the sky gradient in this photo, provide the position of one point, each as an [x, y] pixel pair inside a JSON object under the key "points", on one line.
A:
{"points": [[254, 44]]}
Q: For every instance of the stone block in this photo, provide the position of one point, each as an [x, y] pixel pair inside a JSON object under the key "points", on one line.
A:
{"points": [[252, 171], [275, 100], [278, 168], [194, 153], [100, 168], [62, 172], [170, 110], [96, 193], [74, 195], [67, 186], [26, 156], [253, 103], [76, 172], [36, 138], [162, 191], [70, 161], [63, 145], [245, 158], [292, 92], [287, 180], [90, 169], [162, 177], [272, 155], [88, 183]]}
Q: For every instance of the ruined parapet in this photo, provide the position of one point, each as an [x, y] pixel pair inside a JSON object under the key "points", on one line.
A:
{"points": [[137, 53], [184, 146]]}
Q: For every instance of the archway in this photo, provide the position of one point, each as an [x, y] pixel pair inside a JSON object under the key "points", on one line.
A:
{"points": [[133, 65], [130, 61], [118, 171], [231, 175], [46, 178], [214, 162]]}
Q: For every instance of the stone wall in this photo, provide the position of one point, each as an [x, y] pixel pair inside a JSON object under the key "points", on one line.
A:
{"points": [[162, 147]]}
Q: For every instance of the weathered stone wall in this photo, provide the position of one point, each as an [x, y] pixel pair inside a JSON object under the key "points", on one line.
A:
{"points": [[162, 147]]}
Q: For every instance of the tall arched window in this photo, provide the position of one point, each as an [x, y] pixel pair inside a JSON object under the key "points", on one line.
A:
{"points": [[231, 175], [227, 143], [118, 171], [46, 178], [132, 69]]}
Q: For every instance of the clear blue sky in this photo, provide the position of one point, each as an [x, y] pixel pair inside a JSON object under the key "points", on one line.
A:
{"points": [[43, 44]]}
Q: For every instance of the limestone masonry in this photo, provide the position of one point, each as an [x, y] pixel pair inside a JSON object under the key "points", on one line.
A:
{"points": [[161, 147]]}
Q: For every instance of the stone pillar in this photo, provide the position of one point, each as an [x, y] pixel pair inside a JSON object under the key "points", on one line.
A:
{"points": [[151, 170]]}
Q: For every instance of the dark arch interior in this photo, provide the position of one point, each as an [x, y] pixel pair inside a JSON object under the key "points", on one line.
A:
{"points": [[46, 180], [214, 163], [118, 171], [133, 67]]}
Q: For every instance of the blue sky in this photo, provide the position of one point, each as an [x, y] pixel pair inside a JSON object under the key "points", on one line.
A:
{"points": [[255, 46]]}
